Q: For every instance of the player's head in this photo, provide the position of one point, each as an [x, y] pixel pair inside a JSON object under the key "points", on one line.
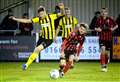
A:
{"points": [[67, 11], [104, 12], [61, 5], [25, 15], [97, 13], [82, 28], [41, 12], [10, 12], [57, 9]]}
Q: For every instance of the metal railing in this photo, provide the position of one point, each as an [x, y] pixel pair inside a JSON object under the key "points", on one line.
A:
{"points": [[12, 31], [13, 5]]}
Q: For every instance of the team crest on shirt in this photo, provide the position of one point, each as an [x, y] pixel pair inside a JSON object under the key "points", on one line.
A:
{"points": [[45, 25], [68, 26]]}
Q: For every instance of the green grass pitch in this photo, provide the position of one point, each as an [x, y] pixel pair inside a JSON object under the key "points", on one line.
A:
{"points": [[39, 72]]}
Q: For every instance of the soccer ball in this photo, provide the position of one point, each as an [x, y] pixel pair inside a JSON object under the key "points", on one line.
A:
{"points": [[54, 74]]}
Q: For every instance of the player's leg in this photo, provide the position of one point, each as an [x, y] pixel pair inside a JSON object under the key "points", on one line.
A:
{"points": [[68, 63], [105, 54], [33, 56], [62, 64], [41, 44], [103, 58], [108, 52], [72, 64]]}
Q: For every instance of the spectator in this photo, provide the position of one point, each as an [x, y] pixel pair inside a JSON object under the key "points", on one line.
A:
{"points": [[118, 29], [92, 24], [25, 28], [59, 11], [8, 24]]}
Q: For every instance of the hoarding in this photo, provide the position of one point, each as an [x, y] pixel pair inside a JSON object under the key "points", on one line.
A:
{"points": [[90, 50]]}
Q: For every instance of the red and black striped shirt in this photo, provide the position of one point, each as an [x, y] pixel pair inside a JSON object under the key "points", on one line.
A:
{"points": [[73, 43], [105, 25]]}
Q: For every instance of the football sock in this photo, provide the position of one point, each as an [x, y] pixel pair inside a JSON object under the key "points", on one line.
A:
{"points": [[31, 58], [62, 63], [67, 66], [102, 59]]}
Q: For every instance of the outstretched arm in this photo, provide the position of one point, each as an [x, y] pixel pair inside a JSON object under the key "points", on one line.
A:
{"points": [[57, 31], [21, 20]]}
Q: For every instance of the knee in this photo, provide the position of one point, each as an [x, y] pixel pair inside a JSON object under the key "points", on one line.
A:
{"points": [[71, 58], [62, 61], [38, 49], [103, 49]]}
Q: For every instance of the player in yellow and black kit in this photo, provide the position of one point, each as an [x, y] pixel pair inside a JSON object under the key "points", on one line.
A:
{"points": [[60, 12], [47, 33], [67, 24]]}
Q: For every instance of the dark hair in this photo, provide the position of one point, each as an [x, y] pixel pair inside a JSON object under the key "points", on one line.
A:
{"points": [[97, 12], [25, 14], [41, 9], [104, 8], [83, 26], [57, 7], [10, 10], [67, 8]]}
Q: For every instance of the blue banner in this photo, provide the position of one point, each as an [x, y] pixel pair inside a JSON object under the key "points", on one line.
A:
{"points": [[16, 47], [90, 50]]}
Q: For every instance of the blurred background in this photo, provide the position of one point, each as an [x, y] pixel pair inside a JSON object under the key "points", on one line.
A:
{"points": [[82, 9], [13, 46]]}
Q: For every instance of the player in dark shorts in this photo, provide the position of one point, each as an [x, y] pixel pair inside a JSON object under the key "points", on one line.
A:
{"points": [[104, 26], [46, 35], [71, 47]]}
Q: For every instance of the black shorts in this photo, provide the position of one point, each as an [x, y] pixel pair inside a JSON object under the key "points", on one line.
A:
{"points": [[63, 39], [107, 44], [44, 42], [68, 54]]}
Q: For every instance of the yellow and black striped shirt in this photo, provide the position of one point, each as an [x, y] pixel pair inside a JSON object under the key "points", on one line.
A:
{"points": [[47, 25], [67, 25]]}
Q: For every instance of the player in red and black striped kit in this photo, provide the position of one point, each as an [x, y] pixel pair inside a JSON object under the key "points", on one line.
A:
{"points": [[104, 26], [71, 47]]}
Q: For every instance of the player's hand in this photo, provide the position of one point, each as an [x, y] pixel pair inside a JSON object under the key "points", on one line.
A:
{"points": [[98, 29], [12, 17], [112, 29]]}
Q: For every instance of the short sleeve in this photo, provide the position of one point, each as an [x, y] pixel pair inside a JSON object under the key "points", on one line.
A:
{"points": [[113, 23], [97, 23], [53, 16], [35, 20], [60, 22], [75, 21]]}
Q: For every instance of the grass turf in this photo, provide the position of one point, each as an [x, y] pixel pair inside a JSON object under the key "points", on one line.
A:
{"points": [[39, 72]]}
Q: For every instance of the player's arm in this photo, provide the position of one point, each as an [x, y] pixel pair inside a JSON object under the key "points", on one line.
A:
{"points": [[76, 22], [115, 26], [58, 29], [63, 45], [79, 48], [62, 55], [97, 26], [21, 20]]}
